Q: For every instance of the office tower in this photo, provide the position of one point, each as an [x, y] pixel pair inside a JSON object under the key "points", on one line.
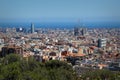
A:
{"points": [[76, 31], [101, 42], [84, 31], [32, 28]]}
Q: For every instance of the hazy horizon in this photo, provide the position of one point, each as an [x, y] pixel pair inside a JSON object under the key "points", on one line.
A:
{"points": [[59, 11]]}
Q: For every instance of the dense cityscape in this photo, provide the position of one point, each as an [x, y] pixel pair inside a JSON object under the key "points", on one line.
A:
{"points": [[59, 40], [81, 47]]}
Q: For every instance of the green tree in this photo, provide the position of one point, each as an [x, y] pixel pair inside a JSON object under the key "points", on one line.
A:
{"points": [[15, 67], [99, 75], [11, 58], [11, 71]]}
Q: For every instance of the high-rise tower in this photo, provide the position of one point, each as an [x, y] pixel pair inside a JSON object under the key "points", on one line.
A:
{"points": [[32, 28], [84, 31], [101, 42], [76, 31]]}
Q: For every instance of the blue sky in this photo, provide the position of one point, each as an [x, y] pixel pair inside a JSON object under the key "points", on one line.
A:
{"points": [[59, 10]]}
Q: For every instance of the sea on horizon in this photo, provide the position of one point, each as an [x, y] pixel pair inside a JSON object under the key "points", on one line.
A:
{"points": [[61, 25]]}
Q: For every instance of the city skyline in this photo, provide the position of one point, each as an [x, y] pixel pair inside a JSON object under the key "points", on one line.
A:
{"points": [[59, 11]]}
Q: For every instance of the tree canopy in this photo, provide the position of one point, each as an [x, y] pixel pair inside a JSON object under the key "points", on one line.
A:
{"points": [[15, 67]]}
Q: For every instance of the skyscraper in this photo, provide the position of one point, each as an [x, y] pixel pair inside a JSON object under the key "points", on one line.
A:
{"points": [[76, 31], [84, 31], [101, 42], [32, 28]]}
